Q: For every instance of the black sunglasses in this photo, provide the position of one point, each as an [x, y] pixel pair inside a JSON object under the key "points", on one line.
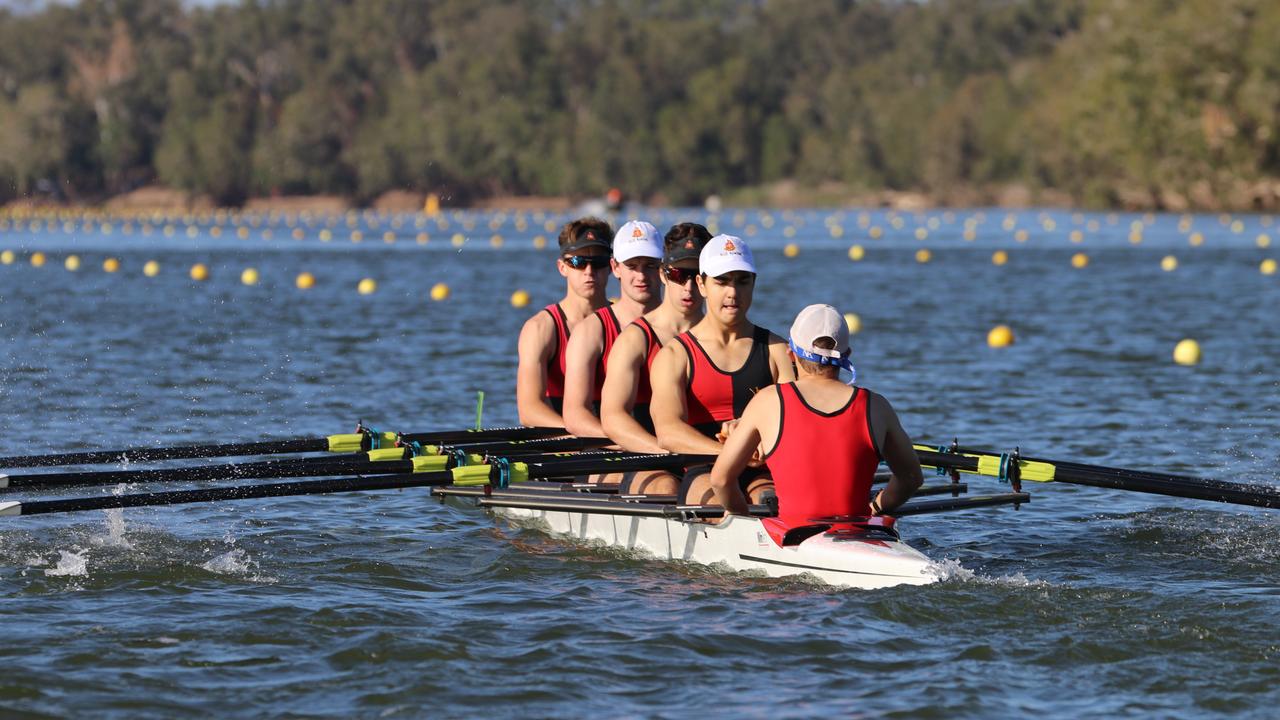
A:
{"points": [[577, 262], [679, 275]]}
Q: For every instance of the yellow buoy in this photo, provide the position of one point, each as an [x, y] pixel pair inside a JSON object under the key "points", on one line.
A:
{"points": [[853, 321], [326, 235], [298, 234], [249, 276], [458, 240], [243, 233], [431, 206], [367, 286], [1021, 236], [856, 253], [423, 238], [1000, 336], [7, 257], [199, 272], [305, 281], [836, 231], [439, 291], [496, 241], [1135, 237], [791, 250], [1264, 241], [1267, 267], [923, 255], [151, 269], [1079, 260], [519, 299], [875, 233], [539, 242], [1237, 227], [1187, 352], [357, 236], [389, 237], [970, 235], [110, 265], [1169, 263], [37, 259], [1196, 239], [999, 257], [72, 263]]}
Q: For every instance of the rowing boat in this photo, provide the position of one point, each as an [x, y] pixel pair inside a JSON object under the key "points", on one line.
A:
{"points": [[865, 555]]}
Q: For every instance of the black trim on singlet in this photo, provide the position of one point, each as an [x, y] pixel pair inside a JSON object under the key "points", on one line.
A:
{"points": [[613, 317], [816, 411], [640, 411], [871, 429], [557, 404], [564, 322]]}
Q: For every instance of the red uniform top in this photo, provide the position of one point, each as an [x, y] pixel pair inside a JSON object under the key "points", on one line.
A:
{"points": [[714, 396], [555, 363], [823, 464], [609, 321]]}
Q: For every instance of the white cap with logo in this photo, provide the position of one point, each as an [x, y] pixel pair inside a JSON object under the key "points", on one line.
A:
{"points": [[724, 254], [637, 239], [822, 321]]}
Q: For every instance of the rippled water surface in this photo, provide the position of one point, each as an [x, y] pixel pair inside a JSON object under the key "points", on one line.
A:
{"points": [[1086, 601]]}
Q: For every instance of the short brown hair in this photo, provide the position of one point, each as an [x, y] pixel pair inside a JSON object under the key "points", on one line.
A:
{"points": [[813, 368], [683, 232], [572, 229]]}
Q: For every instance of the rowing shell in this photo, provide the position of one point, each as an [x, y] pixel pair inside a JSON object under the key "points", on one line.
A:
{"points": [[739, 543]]}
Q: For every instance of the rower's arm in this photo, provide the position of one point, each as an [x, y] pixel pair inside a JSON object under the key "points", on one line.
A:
{"points": [[586, 344], [537, 342], [897, 450], [779, 361], [738, 450], [617, 399], [669, 376]]}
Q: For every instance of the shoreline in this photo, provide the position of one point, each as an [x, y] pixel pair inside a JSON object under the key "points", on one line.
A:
{"points": [[1260, 197]]}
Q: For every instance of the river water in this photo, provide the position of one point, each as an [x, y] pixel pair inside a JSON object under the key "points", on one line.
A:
{"points": [[376, 604]]}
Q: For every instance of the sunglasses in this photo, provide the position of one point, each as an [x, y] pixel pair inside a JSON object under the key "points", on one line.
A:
{"points": [[678, 275], [578, 262]]}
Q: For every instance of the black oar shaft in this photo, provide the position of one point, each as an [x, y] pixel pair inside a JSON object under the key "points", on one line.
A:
{"points": [[102, 457], [238, 492], [304, 467]]}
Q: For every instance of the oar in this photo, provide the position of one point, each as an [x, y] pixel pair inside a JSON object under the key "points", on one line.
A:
{"points": [[363, 439], [1014, 467], [497, 474], [385, 461]]}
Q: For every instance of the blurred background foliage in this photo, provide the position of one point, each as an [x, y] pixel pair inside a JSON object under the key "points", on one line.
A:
{"points": [[1161, 103]]}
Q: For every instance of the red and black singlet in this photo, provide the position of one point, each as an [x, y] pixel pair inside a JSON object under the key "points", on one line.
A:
{"points": [[714, 396], [609, 321], [823, 464], [555, 363]]}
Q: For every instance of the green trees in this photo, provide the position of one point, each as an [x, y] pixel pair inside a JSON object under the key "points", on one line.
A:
{"points": [[1105, 99]]}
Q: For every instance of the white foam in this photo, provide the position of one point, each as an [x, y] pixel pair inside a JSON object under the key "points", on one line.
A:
{"points": [[233, 562], [70, 564], [115, 527]]}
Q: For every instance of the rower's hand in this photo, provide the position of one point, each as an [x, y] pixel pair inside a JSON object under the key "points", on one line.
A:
{"points": [[726, 428]]}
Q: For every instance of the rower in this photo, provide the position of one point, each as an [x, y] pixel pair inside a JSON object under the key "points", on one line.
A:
{"points": [[695, 401], [624, 401], [637, 254], [583, 260], [825, 439]]}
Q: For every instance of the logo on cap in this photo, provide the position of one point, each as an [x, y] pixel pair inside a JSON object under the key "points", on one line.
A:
{"points": [[688, 244], [637, 232], [590, 235], [729, 246]]}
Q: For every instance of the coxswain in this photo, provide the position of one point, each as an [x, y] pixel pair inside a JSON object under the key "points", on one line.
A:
{"points": [[823, 439], [583, 261], [624, 401], [703, 378], [637, 257]]}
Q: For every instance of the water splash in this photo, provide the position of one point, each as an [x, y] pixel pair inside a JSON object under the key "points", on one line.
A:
{"points": [[71, 563], [115, 529]]}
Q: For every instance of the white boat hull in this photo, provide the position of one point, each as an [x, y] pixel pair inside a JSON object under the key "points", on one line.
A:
{"points": [[741, 543]]}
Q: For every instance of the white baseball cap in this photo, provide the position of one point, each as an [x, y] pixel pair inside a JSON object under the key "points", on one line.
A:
{"points": [[637, 239], [724, 254], [822, 321]]}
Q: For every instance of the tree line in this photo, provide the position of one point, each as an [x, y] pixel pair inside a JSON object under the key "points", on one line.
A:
{"points": [[1159, 102]]}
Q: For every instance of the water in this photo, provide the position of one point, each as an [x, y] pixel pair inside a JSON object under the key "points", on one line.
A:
{"points": [[389, 604]]}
